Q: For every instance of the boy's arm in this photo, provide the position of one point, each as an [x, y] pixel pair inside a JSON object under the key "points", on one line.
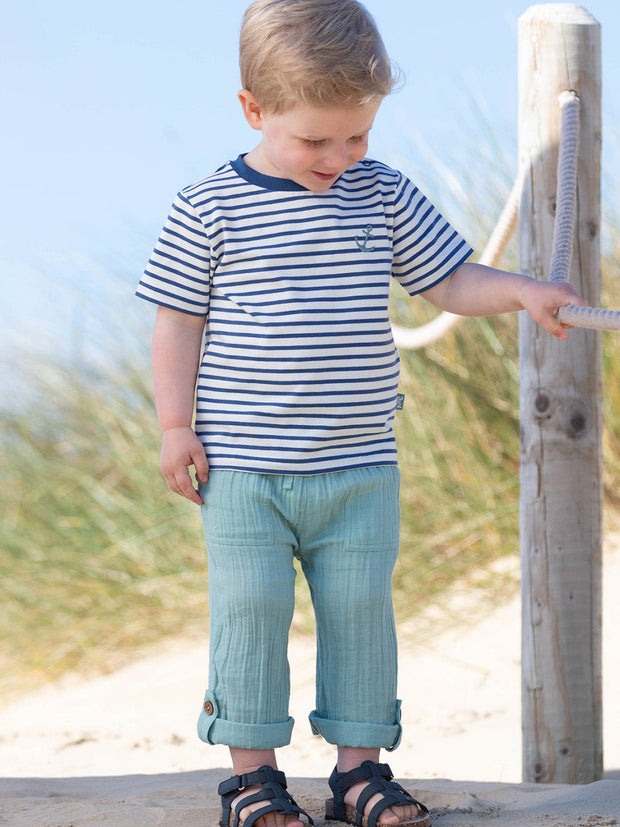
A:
{"points": [[177, 340], [476, 290]]}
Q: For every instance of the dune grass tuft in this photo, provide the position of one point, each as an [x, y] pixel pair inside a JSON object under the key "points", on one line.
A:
{"points": [[96, 558]]}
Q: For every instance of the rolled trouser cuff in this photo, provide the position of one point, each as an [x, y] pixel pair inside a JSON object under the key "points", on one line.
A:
{"points": [[215, 730], [356, 734]]}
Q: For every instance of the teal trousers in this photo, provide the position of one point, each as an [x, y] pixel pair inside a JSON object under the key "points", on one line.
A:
{"points": [[344, 528]]}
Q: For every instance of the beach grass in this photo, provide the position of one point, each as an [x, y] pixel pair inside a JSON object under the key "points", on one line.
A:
{"points": [[99, 560]]}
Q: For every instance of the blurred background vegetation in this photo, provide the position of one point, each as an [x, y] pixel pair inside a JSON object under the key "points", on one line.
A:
{"points": [[98, 560]]}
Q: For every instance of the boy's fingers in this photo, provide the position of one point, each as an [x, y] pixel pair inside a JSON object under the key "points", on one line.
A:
{"points": [[187, 490], [201, 466], [181, 484], [556, 328]]}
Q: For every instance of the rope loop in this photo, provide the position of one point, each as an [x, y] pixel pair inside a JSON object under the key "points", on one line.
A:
{"points": [[412, 338], [563, 239]]}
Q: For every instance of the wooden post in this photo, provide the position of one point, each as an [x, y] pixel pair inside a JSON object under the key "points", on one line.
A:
{"points": [[561, 488]]}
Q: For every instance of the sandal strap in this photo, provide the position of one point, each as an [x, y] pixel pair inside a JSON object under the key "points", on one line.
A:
{"points": [[341, 781], [273, 792], [380, 778], [263, 775]]}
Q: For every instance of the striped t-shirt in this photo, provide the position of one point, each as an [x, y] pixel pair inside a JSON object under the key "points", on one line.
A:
{"points": [[299, 373]]}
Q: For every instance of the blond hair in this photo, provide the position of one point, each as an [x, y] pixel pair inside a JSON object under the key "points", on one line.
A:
{"points": [[314, 52]]}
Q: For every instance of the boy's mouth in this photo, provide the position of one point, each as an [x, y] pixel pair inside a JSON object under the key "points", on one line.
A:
{"points": [[326, 176]]}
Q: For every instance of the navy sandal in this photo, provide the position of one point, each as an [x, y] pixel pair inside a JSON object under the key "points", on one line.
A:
{"points": [[273, 792], [380, 778]]}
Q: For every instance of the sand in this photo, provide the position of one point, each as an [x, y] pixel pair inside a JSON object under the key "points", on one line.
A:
{"points": [[121, 749]]}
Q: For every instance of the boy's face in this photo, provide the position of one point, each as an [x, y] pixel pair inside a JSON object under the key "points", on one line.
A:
{"points": [[311, 145]]}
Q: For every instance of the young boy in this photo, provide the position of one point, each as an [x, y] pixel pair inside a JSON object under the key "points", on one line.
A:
{"points": [[281, 261]]}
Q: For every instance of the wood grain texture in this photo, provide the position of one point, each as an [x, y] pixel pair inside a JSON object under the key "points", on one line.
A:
{"points": [[561, 485]]}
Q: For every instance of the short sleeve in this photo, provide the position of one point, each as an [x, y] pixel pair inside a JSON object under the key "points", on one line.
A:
{"points": [[426, 248], [178, 273]]}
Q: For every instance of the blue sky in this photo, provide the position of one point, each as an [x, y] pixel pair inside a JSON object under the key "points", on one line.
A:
{"points": [[109, 109]]}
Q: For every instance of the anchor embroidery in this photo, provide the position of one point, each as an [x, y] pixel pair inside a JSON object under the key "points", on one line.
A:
{"points": [[362, 243]]}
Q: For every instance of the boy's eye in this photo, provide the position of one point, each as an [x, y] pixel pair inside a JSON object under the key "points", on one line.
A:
{"points": [[316, 142]]}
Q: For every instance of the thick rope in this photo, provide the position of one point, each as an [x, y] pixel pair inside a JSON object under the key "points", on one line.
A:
{"points": [[593, 318], [566, 212], [566, 192]]}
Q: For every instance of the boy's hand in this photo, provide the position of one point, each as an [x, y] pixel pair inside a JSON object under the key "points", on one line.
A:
{"points": [[180, 449], [542, 299]]}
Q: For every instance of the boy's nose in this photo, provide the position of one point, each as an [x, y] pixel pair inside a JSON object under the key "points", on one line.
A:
{"points": [[337, 159]]}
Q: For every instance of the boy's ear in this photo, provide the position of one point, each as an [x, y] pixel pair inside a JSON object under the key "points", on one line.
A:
{"points": [[251, 109]]}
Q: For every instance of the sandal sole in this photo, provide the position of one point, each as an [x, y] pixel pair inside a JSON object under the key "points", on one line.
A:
{"points": [[351, 814]]}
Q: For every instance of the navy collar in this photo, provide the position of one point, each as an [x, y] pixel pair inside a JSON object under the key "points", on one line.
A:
{"points": [[267, 182]]}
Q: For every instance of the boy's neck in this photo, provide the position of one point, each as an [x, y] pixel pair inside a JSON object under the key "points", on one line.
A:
{"points": [[257, 160]]}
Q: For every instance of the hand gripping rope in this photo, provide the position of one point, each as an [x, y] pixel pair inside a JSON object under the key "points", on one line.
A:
{"points": [[563, 239]]}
